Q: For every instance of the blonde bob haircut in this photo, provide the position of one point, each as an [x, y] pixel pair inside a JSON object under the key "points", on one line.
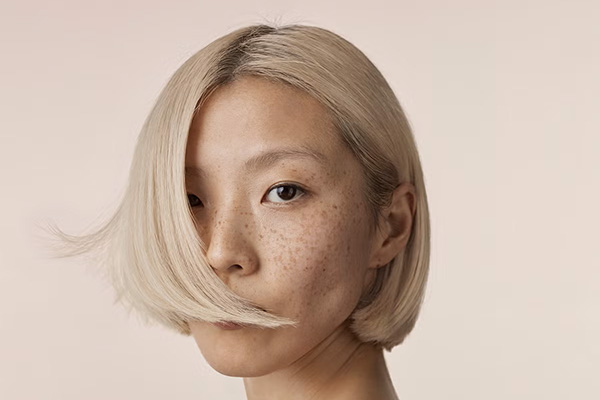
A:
{"points": [[150, 246]]}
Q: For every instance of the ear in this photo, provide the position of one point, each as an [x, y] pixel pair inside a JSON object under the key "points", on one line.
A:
{"points": [[394, 225]]}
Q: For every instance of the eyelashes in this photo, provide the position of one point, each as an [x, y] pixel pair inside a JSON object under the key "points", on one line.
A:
{"points": [[194, 201], [280, 193], [284, 193]]}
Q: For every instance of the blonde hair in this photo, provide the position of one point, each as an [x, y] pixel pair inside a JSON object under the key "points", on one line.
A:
{"points": [[150, 246]]}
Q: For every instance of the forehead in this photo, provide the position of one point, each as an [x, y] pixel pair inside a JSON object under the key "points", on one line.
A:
{"points": [[253, 114]]}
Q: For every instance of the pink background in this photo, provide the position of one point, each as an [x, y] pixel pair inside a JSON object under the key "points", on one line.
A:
{"points": [[503, 97]]}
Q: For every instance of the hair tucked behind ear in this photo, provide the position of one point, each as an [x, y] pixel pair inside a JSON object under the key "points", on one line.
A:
{"points": [[150, 247]]}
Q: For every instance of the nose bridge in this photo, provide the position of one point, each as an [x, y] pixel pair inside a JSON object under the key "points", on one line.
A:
{"points": [[230, 245]]}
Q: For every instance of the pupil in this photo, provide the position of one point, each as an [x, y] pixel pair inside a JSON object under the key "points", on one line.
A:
{"points": [[286, 192]]}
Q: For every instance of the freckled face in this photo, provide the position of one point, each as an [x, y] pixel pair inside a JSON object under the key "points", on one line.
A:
{"points": [[279, 203]]}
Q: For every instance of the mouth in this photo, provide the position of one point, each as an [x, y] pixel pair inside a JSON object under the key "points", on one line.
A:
{"points": [[231, 326], [228, 326]]}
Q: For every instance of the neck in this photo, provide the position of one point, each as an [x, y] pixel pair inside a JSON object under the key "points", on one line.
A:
{"points": [[340, 367]]}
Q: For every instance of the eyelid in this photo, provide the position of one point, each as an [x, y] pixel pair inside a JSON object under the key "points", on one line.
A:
{"points": [[188, 194], [300, 188]]}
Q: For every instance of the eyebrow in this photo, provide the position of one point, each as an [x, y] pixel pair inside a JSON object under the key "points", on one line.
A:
{"points": [[268, 159]]}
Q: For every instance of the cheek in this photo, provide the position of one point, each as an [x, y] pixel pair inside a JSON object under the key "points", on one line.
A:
{"points": [[318, 263]]}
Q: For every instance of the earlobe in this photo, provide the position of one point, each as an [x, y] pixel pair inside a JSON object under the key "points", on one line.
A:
{"points": [[395, 225]]}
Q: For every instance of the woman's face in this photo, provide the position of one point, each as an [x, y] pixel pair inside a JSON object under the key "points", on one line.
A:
{"points": [[279, 203]]}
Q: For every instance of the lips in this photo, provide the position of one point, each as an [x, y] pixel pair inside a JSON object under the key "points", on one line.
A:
{"points": [[228, 326]]}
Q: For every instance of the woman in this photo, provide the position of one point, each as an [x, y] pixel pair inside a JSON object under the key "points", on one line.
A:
{"points": [[276, 211]]}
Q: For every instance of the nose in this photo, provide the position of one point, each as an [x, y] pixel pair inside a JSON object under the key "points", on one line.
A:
{"points": [[229, 244]]}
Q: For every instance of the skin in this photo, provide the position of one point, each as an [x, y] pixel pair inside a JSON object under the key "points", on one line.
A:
{"points": [[306, 253]]}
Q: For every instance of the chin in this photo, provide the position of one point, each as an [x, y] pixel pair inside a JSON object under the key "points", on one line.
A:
{"points": [[238, 367], [243, 353], [238, 357]]}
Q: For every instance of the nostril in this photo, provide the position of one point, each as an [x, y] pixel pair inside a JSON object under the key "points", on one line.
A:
{"points": [[223, 268]]}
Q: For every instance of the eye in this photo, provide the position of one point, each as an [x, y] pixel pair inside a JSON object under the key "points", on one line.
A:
{"points": [[194, 201], [284, 193]]}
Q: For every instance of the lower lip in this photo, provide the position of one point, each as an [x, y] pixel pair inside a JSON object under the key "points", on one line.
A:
{"points": [[228, 326]]}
